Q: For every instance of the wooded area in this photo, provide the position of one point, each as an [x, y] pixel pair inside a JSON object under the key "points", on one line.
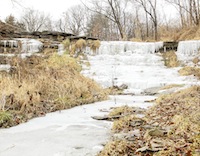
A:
{"points": [[141, 20]]}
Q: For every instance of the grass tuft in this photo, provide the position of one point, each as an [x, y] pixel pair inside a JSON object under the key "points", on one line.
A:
{"points": [[170, 59], [121, 111], [117, 148], [186, 71]]}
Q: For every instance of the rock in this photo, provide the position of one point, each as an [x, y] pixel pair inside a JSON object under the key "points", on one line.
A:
{"points": [[154, 146], [130, 136], [107, 117], [156, 133], [123, 86], [152, 91], [138, 110], [137, 122], [143, 149]]}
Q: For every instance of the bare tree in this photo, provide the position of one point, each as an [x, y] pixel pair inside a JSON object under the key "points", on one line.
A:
{"points": [[11, 20], [189, 11], [98, 26], [150, 8], [35, 20], [73, 20], [76, 16], [113, 10]]}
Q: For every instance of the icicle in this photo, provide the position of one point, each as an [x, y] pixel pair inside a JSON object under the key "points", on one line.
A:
{"points": [[30, 45], [188, 50], [61, 49], [5, 42], [115, 47]]}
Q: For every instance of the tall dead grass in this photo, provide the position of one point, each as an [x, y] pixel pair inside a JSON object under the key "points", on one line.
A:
{"points": [[186, 71], [170, 59], [39, 85]]}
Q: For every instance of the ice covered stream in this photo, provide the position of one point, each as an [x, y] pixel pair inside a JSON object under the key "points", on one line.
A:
{"points": [[66, 133], [73, 132]]}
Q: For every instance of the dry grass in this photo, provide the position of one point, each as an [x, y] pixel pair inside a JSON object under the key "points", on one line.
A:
{"points": [[36, 86], [136, 40], [117, 148], [123, 124], [180, 111], [66, 43], [77, 47], [95, 45], [171, 127], [185, 71], [170, 59], [189, 33], [196, 60], [123, 110], [80, 44]]}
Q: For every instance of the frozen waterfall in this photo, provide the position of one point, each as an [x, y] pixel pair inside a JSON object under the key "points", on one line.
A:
{"points": [[132, 63], [188, 50], [116, 47], [31, 45]]}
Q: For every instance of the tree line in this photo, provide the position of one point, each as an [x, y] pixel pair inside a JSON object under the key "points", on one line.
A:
{"points": [[116, 19]]}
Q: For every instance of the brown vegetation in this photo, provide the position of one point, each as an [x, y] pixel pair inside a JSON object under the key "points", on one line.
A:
{"points": [[171, 127], [186, 71], [170, 59], [38, 85]]}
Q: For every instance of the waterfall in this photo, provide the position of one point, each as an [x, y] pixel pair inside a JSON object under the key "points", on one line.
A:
{"points": [[31, 45], [135, 64], [9, 43], [188, 50], [61, 49], [116, 47]]}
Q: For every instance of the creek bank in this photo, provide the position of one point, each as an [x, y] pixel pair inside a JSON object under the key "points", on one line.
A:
{"points": [[169, 127], [69, 132]]}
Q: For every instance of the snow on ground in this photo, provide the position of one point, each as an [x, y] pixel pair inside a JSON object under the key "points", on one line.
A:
{"points": [[66, 133], [73, 132]]}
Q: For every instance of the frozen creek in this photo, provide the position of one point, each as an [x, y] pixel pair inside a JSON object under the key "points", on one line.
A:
{"points": [[73, 132]]}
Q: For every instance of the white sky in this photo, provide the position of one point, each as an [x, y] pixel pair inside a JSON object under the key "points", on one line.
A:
{"points": [[53, 7]]}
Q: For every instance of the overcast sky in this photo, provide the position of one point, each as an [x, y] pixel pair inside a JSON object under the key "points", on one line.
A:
{"points": [[53, 7]]}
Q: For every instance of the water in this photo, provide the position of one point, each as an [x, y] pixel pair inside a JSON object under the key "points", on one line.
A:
{"points": [[188, 50], [134, 64], [66, 133], [73, 132]]}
